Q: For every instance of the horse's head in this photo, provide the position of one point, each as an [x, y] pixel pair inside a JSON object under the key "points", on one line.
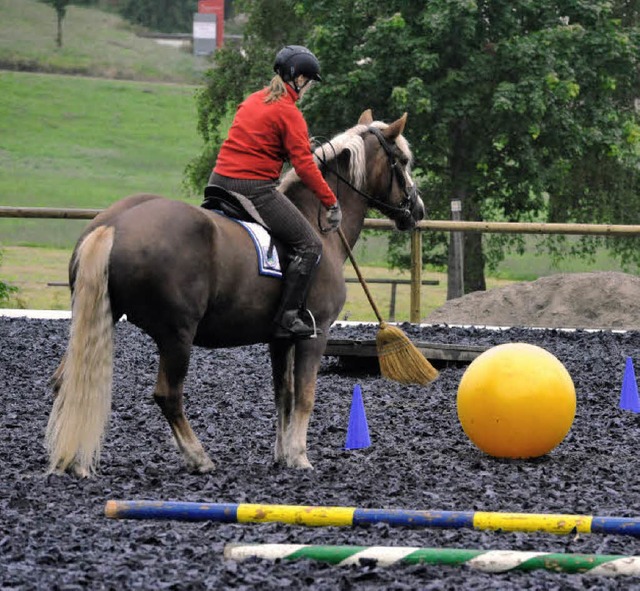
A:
{"points": [[392, 189]]}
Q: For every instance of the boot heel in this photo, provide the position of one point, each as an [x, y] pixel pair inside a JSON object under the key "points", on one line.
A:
{"points": [[292, 326]]}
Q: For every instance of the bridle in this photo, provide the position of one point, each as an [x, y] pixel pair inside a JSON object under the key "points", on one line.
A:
{"points": [[395, 212]]}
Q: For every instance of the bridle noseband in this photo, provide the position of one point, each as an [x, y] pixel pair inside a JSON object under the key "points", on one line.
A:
{"points": [[404, 210]]}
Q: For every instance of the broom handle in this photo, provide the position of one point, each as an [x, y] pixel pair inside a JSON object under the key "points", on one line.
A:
{"points": [[360, 277]]}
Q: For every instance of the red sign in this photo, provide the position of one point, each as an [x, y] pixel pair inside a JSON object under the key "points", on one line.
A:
{"points": [[214, 7]]}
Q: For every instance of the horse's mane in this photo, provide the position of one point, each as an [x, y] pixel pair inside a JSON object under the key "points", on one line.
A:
{"points": [[350, 140]]}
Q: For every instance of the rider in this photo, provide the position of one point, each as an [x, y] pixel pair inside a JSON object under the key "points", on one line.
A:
{"points": [[268, 129]]}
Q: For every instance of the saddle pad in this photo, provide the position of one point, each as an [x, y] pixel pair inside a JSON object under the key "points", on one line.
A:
{"points": [[268, 260]]}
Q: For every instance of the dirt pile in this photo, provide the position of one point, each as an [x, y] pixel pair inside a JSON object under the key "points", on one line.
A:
{"points": [[607, 300]]}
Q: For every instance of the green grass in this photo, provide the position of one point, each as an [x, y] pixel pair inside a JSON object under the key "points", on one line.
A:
{"points": [[95, 43], [532, 264], [30, 269], [82, 142]]}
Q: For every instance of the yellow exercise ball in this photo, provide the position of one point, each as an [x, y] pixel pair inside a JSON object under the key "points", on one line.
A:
{"points": [[516, 401]]}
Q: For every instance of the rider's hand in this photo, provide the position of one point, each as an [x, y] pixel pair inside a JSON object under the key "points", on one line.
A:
{"points": [[334, 216]]}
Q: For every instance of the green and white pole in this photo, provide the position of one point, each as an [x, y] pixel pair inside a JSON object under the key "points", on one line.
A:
{"points": [[490, 561]]}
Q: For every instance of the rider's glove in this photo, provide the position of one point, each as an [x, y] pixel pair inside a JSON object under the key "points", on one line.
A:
{"points": [[334, 216]]}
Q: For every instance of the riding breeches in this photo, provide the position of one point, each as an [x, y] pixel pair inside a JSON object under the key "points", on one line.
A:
{"points": [[286, 223]]}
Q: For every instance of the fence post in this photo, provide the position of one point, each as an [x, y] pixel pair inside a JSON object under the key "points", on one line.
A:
{"points": [[455, 275], [392, 304], [416, 274]]}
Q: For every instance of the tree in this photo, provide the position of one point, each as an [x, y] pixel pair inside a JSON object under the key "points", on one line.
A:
{"points": [[60, 6], [510, 103], [168, 16], [521, 110]]}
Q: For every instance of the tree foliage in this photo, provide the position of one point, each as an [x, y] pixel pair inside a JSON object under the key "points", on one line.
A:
{"points": [[523, 109], [167, 16]]}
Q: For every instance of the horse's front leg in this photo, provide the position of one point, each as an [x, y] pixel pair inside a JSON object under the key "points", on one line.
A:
{"points": [[282, 369], [174, 362], [308, 354]]}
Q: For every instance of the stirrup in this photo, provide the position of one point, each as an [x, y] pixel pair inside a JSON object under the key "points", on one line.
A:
{"points": [[295, 327]]}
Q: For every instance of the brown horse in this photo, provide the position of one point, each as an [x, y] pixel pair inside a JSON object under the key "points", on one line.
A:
{"points": [[188, 276]]}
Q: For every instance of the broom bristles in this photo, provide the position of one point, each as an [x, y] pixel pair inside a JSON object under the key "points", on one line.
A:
{"points": [[399, 358]]}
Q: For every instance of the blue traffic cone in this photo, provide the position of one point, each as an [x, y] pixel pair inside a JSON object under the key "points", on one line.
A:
{"points": [[358, 430], [629, 395]]}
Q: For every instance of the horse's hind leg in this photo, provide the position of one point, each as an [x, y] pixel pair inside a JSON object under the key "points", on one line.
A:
{"points": [[168, 393], [282, 368], [57, 377]]}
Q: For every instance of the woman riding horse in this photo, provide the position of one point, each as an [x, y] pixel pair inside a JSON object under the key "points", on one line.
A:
{"points": [[186, 276], [268, 128]]}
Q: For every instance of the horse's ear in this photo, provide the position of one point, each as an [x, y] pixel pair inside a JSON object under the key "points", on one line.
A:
{"points": [[366, 118], [395, 129]]}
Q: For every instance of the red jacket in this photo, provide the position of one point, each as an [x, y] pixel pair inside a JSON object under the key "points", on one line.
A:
{"points": [[263, 136]]}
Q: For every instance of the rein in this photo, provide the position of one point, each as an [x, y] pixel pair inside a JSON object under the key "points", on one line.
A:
{"points": [[407, 204]]}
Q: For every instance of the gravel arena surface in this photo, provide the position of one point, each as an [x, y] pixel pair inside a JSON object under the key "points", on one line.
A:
{"points": [[53, 533]]}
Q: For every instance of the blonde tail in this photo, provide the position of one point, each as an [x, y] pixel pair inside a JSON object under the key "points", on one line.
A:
{"points": [[82, 405]]}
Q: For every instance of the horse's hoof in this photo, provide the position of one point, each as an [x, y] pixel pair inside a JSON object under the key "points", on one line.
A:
{"points": [[205, 467], [300, 464], [72, 469], [79, 471]]}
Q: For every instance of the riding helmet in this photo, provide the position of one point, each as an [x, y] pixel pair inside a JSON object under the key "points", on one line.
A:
{"points": [[294, 60]]}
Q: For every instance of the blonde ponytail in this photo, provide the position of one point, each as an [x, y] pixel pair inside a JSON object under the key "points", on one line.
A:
{"points": [[276, 90]]}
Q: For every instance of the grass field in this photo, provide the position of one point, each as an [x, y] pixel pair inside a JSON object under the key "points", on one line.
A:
{"points": [[95, 43], [80, 142]]}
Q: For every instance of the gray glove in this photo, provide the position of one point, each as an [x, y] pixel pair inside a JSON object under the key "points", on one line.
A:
{"points": [[334, 216]]}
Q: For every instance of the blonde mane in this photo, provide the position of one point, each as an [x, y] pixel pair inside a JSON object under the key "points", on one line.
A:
{"points": [[350, 140]]}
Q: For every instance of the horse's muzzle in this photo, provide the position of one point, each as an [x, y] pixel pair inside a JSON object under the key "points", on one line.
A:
{"points": [[405, 220]]}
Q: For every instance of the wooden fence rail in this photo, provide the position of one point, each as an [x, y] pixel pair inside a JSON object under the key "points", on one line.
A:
{"points": [[383, 224]]}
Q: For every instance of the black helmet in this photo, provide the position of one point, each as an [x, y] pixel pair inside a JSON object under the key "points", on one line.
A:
{"points": [[294, 60]]}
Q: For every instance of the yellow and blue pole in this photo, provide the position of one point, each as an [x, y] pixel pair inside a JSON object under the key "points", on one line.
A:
{"points": [[316, 516]]}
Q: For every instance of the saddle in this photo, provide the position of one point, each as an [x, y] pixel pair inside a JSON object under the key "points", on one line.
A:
{"points": [[272, 256], [231, 204]]}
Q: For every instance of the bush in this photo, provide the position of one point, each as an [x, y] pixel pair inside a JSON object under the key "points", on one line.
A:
{"points": [[6, 290]]}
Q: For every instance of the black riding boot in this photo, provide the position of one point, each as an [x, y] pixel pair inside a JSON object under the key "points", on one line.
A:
{"points": [[290, 320]]}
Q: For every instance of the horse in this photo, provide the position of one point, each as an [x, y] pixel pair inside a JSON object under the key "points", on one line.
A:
{"points": [[188, 276]]}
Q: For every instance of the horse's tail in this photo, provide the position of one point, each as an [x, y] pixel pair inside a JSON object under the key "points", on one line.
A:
{"points": [[82, 403]]}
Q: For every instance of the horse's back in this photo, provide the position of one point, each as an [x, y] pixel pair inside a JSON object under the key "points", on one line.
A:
{"points": [[175, 266], [159, 263]]}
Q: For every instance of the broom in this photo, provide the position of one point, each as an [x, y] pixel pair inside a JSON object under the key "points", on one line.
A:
{"points": [[399, 359]]}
